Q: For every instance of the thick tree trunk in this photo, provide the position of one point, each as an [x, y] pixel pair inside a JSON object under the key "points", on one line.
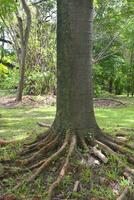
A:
{"points": [[74, 67]]}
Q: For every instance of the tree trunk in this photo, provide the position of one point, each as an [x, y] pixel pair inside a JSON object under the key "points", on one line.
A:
{"points": [[24, 36], [74, 67], [2, 45], [110, 89], [22, 73]]}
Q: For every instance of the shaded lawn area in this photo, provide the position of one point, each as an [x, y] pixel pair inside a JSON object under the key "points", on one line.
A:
{"points": [[18, 123]]}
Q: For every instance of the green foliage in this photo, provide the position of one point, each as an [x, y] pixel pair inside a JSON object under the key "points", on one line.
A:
{"points": [[113, 24], [67, 181], [85, 175], [112, 175], [103, 192], [3, 72], [10, 81], [82, 194], [38, 82], [124, 182], [7, 7], [113, 47]]}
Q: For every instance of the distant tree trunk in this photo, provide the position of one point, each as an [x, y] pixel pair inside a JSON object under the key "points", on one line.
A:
{"points": [[2, 45], [24, 36], [132, 70], [74, 67], [110, 89]]}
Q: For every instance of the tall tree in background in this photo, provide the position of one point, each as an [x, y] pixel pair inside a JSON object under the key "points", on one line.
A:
{"points": [[18, 33], [24, 36], [75, 125]]}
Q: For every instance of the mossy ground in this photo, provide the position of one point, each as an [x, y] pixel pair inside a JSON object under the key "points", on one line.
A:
{"points": [[101, 182]]}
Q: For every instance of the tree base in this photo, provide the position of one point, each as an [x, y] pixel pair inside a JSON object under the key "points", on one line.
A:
{"points": [[50, 147]]}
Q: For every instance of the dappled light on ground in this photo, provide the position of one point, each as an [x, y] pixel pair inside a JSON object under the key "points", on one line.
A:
{"points": [[16, 123]]}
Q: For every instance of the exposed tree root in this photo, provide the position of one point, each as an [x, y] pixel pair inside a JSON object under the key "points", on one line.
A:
{"points": [[100, 155], [43, 125], [105, 147], [76, 186], [38, 158], [42, 151], [37, 144], [63, 170], [47, 162], [118, 148], [126, 194]]}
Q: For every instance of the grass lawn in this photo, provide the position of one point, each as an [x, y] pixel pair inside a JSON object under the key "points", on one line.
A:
{"points": [[18, 123]]}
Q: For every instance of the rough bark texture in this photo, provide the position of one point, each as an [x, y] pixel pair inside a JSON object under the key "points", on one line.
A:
{"points": [[74, 67]]}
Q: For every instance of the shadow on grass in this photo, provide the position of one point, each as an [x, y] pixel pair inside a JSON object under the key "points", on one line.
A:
{"points": [[17, 123]]}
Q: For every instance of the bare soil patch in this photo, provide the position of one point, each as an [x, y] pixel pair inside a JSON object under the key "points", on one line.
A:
{"points": [[10, 102], [100, 102], [35, 101]]}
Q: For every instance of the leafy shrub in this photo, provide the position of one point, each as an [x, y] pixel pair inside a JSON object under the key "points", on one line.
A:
{"points": [[38, 82], [3, 72], [10, 81]]}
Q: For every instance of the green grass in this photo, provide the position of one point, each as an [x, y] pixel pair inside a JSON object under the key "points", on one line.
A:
{"points": [[17, 123], [115, 118]]}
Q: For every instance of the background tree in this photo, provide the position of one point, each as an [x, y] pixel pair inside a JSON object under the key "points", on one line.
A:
{"points": [[24, 36], [18, 32]]}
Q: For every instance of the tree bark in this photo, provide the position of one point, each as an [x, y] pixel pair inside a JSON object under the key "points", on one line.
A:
{"points": [[110, 88], [74, 67], [24, 36]]}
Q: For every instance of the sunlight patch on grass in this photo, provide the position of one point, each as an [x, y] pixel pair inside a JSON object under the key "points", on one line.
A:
{"points": [[109, 119], [17, 122]]}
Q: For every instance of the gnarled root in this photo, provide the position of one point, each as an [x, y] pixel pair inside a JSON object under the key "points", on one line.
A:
{"points": [[63, 170], [57, 145], [48, 147], [119, 149], [46, 162]]}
